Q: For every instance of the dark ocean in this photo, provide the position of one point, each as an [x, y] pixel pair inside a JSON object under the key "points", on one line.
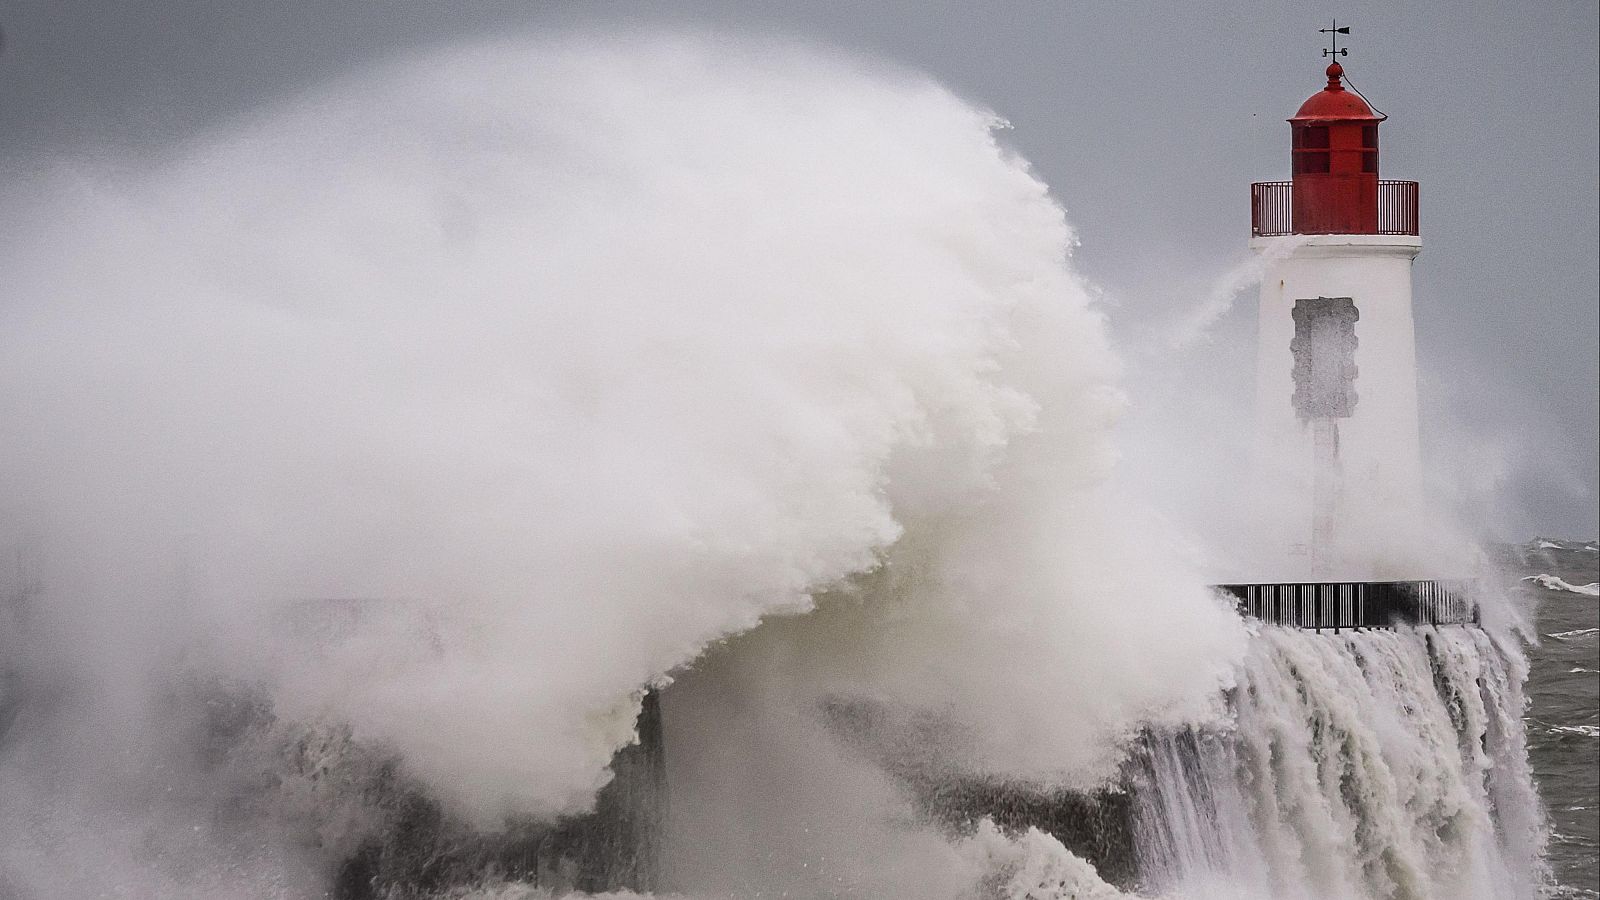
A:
{"points": [[1564, 692]]}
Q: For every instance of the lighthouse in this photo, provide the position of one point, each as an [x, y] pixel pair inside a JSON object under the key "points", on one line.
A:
{"points": [[1338, 452], [1336, 381]]}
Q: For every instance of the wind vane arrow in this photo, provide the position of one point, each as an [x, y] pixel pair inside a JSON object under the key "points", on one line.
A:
{"points": [[1334, 33]]}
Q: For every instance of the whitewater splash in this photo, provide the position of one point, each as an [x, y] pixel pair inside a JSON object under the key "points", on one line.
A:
{"points": [[560, 360], [580, 358], [1363, 765]]}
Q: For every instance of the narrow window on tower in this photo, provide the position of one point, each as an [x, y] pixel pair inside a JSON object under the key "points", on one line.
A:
{"points": [[1312, 163], [1310, 149], [1369, 149]]}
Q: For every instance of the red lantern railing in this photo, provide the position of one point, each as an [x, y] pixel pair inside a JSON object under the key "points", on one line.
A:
{"points": [[1272, 208]]}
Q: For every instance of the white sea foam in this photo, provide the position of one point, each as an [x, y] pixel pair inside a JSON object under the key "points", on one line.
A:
{"points": [[1554, 583], [1033, 866], [1571, 635], [1545, 544], [1553, 728]]}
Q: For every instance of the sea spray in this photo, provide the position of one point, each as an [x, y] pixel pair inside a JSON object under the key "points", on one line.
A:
{"points": [[560, 359]]}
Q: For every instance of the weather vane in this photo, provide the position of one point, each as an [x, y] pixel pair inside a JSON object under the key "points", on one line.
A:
{"points": [[1334, 33]]}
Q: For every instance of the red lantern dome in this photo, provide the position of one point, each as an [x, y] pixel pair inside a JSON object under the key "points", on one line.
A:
{"points": [[1335, 104]]}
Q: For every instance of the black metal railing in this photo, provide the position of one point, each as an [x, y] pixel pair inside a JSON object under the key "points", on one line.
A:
{"points": [[1397, 207], [1356, 604], [1272, 208]]}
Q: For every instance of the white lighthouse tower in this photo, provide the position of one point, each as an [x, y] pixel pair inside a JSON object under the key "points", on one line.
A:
{"points": [[1336, 366]]}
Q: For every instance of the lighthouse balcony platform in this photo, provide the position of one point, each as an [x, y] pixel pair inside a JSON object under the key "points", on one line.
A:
{"points": [[1272, 211], [1337, 605]]}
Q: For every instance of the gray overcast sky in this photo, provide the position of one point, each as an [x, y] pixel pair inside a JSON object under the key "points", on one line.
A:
{"points": [[1148, 120]]}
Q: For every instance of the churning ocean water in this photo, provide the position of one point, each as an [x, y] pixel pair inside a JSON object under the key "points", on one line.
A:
{"points": [[1559, 580]]}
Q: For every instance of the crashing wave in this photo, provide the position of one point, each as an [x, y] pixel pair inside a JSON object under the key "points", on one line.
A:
{"points": [[1032, 865], [1555, 583], [604, 350], [1546, 545]]}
